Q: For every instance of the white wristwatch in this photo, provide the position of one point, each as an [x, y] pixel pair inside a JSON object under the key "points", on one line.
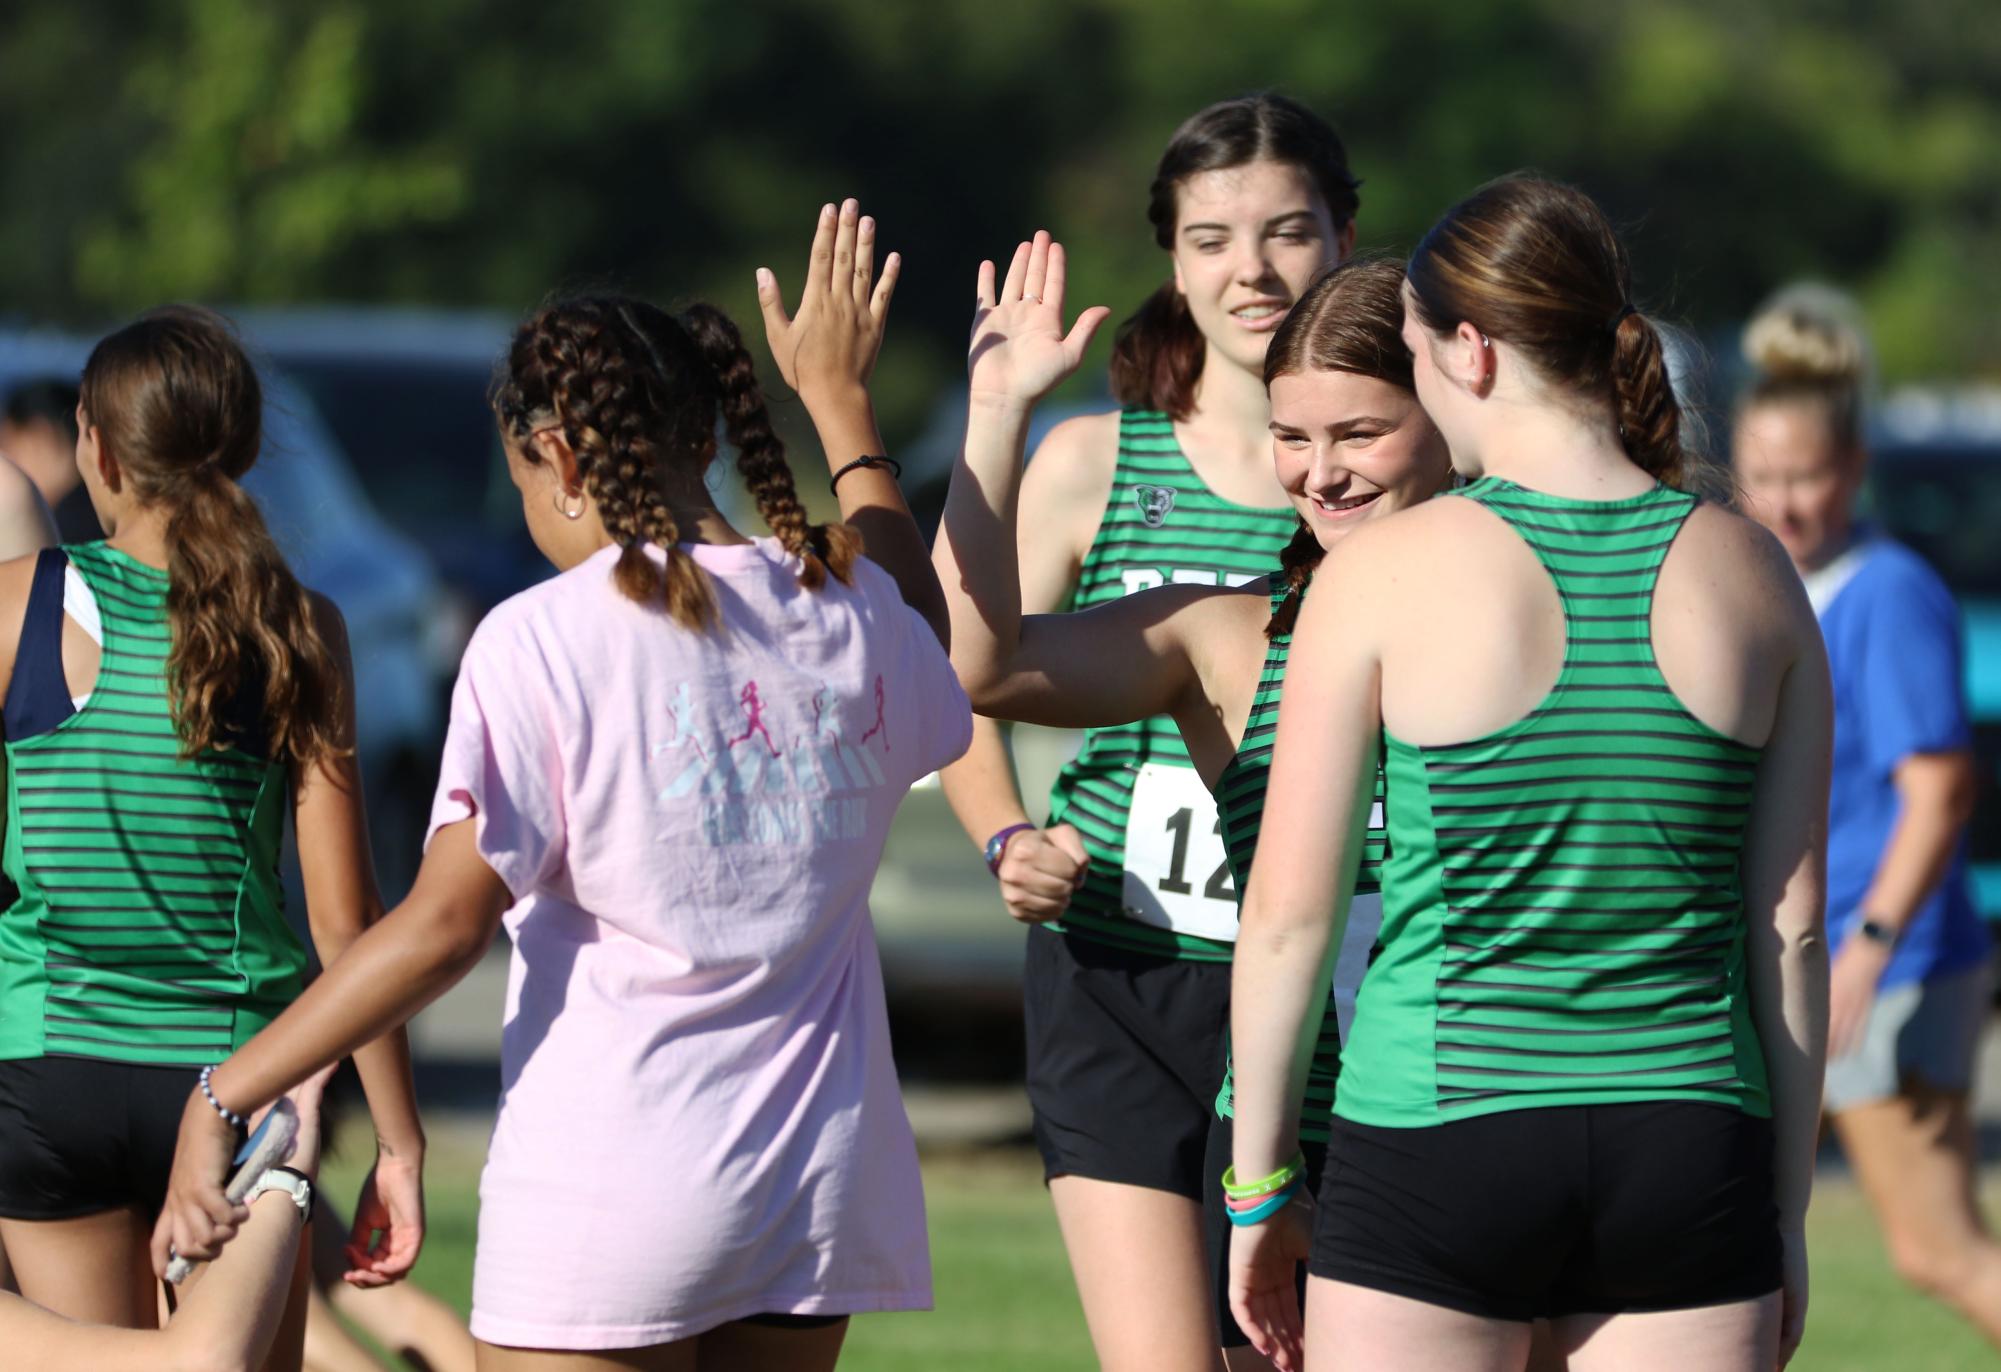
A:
{"points": [[294, 1184]]}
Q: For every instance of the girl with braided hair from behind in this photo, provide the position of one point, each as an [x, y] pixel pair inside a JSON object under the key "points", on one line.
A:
{"points": [[1583, 1075], [1349, 445], [701, 1157], [171, 691]]}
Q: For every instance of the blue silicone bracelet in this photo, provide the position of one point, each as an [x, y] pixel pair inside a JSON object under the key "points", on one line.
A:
{"points": [[1265, 1208]]}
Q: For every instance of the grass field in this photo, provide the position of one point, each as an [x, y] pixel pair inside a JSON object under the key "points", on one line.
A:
{"points": [[1005, 1303]]}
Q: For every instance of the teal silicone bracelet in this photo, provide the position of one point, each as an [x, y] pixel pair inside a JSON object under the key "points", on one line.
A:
{"points": [[1264, 1209]]}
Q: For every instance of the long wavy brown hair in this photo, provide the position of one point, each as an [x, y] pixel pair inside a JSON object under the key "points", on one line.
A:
{"points": [[1349, 320], [176, 402], [638, 393]]}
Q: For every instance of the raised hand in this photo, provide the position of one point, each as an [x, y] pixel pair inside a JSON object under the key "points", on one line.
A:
{"points": [[1019, 350], [831, 344]]}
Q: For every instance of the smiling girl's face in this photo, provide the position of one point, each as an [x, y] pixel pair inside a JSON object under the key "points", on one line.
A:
{"points": [[1247, 241], [1349, 448]]}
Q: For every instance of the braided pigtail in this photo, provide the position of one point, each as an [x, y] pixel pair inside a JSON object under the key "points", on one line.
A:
{"points": [[1296, 564], [761, 456], [1643, 400], [590, 362]]}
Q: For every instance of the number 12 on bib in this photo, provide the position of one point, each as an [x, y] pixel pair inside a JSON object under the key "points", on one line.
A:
{"points": [[1177, 869]]}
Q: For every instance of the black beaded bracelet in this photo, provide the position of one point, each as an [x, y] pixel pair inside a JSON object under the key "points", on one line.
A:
{"points": [[867, 460]]}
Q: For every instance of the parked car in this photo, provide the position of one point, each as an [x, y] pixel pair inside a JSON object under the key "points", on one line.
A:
{"points": [[1935, 483], [382, 581]]}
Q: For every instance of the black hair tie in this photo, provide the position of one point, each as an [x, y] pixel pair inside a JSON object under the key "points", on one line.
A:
{"points": [[867, 460], [1625, 309]]}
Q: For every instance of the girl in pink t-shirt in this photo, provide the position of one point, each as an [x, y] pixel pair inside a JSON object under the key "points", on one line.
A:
{"points": [[671, 768]]}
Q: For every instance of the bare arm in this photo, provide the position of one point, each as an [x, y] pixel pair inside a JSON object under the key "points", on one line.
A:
{"points": [[1127, 660], [1935, 794], [1785, 877], [1294, 912], [26, 525], [342, 902], [1322, 780], [405, 961], [229, 1312], [826, 353], [225, 1324], [1061, 497]]}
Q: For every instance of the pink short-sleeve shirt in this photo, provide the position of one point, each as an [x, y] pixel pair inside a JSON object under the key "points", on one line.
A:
{"points": [[699, 1117]]}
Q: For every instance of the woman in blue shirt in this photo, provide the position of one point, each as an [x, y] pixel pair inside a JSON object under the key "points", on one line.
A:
{"points": [[1910, 988]]}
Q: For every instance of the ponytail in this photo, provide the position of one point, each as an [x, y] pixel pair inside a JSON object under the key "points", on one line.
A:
{"points": [[1643, 401], [1157, 356], [760, 456], [239, 619], [1536, 264], [179, 407]]}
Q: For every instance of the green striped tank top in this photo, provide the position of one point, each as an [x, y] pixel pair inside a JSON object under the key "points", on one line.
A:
{"points": [[1240, 801], [1563, 922], [1159, 873], [149, 926]]}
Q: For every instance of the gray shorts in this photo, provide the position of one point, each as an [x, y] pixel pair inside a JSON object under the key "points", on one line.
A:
{"points": [[1925, 1031]]}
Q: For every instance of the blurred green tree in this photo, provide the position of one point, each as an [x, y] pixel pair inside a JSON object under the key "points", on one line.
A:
{"points": [[483, 151]]}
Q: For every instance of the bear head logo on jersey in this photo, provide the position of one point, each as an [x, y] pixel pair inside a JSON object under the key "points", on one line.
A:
{"points": [[1154, 503]]}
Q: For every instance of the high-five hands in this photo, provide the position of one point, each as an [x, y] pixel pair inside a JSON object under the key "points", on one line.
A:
{"points": [[1019, 350], [832, 342]]}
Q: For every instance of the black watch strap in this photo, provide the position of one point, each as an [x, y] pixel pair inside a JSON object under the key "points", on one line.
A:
{"points": [[1876, 931]]}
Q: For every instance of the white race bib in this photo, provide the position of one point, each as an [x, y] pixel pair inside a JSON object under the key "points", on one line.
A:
{"points": [[1177, 871]]}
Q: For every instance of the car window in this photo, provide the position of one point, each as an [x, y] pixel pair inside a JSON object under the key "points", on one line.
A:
{"points": [[420, 435], [1945, 502]]}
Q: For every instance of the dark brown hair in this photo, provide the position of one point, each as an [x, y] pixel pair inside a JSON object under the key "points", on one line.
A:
{"points": [[177, 403], [1536, 264], [638, 393], [1806, 346], [1349, 320], [1157, 353]]}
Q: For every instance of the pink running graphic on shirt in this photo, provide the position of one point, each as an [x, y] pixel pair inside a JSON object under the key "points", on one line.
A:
{"points": [[880, 726], [753, 709], [745, 794]]}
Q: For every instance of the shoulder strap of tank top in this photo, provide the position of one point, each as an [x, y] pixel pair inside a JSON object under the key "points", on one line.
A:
{"points": [[38, 697], [1605, 558]]}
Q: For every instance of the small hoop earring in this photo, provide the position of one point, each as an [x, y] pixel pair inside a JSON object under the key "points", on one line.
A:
{"points": [[564, 510]]}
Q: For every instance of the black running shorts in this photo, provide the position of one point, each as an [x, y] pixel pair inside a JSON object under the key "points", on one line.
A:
{"points": [[79, 1136], [1568, 1210], [1125, 1056]]}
